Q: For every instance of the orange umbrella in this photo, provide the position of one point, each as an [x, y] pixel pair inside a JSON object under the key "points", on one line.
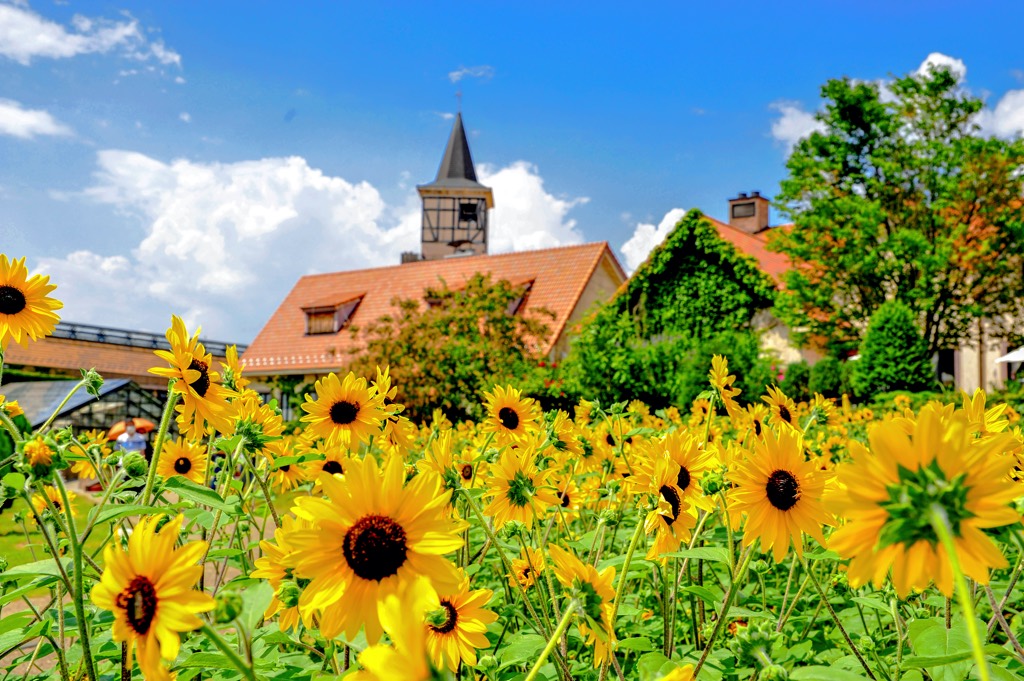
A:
{"points": [[141, 426]]}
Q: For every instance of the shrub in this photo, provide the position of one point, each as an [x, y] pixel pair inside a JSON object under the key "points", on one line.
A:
{"points": [[753, 372], [827, 377], [893, 355], [797, 380]]}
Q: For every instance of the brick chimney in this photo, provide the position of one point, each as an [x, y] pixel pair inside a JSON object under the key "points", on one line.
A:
{"points": [[749, 213]]}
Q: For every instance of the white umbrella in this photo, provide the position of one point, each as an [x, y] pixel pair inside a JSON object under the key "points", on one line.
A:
{"points": [[1015, 356]]}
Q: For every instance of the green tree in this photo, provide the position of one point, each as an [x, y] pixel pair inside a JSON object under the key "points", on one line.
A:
{"points": [[444, 350], [899, 196], [893, 355]]}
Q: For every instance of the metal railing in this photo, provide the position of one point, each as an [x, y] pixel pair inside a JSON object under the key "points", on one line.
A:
{"points": [[129, 338]]}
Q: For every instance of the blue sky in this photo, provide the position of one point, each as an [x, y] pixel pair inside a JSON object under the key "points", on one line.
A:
{"points": [[199, 157]]}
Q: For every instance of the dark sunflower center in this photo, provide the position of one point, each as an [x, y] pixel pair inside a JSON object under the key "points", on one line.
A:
{"points": [[182, 465], [610, 440], [287, 467], [683, 479], [201, 384], [344, 412], [451, 620], [565, 500], [12, 301], [784, 414], [333, 467], [508, 417], [375, 547], [139, 603], [466, 472], [672, 497], [757, 428], [783, 490]]}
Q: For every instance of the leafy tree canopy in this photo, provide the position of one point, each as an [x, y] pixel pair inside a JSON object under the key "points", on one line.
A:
{"points": [[444, 350], [899, 196]]}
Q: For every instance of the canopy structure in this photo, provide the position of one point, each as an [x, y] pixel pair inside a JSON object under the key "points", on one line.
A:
{"points": [[1015, 356], [119, 398]]}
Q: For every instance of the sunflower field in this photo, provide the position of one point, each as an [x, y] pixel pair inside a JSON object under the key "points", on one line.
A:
{"points": [[763, 539]]}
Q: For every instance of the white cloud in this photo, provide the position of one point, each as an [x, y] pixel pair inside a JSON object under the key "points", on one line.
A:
{"points": [[222, 243], [185, 117], [646, 237], [25, 35], [445, 115], [937, 60], [525, 215], [794, 124], [179, 80], [1007, 118], [482, 71], [27, 123]]}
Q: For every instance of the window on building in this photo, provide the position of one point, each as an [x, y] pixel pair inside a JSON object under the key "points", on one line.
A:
{"points": [[330, 318], [516, 305], [468, 211]]}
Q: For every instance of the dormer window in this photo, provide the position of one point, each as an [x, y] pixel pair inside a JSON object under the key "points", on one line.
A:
{"points": [[516, 305], [326, 319]]}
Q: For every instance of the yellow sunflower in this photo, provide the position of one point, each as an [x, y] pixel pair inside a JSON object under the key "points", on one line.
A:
{"points": [[273, 567], [693, 460], [369, 537], [565, 435], [329, 459], [37, 452], [756, 417], [233, 370], [460, 627], [345, 411], [886, 495], [182, 457], [722, 382], [671, 521], [10, 407], [984, 422], [283, 477], [782, 408], [510, 416], [408, 656], [26, 310], [53, 494], [526, 568], [83, 466], [518, 490], [204, 406], [595, 593], [780, 493], [149, 590]]}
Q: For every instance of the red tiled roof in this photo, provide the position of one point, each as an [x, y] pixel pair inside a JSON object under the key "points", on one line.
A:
{"points": [[755, 245], [559, 276], [66, 355]]}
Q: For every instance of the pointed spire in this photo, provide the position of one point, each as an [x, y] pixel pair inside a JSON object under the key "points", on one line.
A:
{"points": [[457, 163]]}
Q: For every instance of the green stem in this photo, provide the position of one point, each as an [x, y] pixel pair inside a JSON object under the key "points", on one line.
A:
{"points": [[940, 523], [60, 406], [722, 616], [222, 645], [553, 640], [639, 532], [165, 422], [263, 485], [78, 598], [835, 618], [7, 423]]}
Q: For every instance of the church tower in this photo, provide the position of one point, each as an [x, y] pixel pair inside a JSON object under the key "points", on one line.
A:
{"points": [[455, 205]]}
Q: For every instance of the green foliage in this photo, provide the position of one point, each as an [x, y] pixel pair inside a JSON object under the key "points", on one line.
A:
{"points": [[694, 296], [901, 198], [893, 355], [827, 377], [694, 284], [446, 349], [796, 381]]}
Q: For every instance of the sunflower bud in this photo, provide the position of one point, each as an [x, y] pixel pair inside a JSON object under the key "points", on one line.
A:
{"points": [[4, 564], [229, 606], [437, 618], [841, 583], [288, 593], [712, 483], [866, 643], [513, 529], [760, 567], [488, 662], [93, 382], [774, 672], [135, 465], [611, 517]]}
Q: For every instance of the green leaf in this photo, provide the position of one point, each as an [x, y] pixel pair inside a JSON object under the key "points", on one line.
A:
{"points": [[702, 592], [873, 603], [187, 489], [521, 648], [821, 673], [940, 650], [117, 512], [713, 553], [928, 662], [255, 601], [40, 583], [40, 568], [638, 644], [14, 481], [208, 660]]}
